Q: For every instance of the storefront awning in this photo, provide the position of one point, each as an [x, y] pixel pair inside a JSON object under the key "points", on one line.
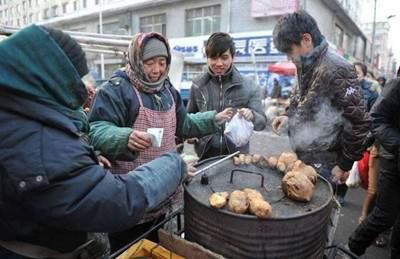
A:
{"points": [[283, 68]]}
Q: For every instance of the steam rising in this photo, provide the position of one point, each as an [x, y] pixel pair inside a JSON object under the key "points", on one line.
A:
{"points": [[319, 132]]}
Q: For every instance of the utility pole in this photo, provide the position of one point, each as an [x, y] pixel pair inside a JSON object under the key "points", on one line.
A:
{"points": [[373, 36], [101, 32]]}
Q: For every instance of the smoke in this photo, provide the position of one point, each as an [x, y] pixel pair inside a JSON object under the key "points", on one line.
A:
{"points": [[315, 131]]}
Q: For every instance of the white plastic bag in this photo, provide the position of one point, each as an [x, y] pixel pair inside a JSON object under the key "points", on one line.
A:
{"points": [[239, 130], [354, 178]]}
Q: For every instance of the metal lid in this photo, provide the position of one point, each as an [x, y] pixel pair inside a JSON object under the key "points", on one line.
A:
{"points": [[227, 177]]}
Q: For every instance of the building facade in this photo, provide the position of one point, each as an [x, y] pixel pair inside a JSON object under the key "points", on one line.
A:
{"points": [[188, 23], [382, 61]]}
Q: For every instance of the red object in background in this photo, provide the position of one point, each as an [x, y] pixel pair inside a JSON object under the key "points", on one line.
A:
{"points": [[363, 168], [283, 68]]}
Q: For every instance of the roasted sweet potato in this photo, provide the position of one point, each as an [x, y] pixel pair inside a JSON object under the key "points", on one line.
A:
{"points": [[238, 202], [218, 199], [236, 160], [255, 159], [253, 194], [261, 208], [247, 159], [272, 161], [297, 186]]}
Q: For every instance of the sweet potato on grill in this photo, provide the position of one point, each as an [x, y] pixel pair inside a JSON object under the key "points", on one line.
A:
{"points": [[247, 159], [297, 186], [272, 161], [261, 208], [263, 163], [238, 202], [236, 160], [218, 199], [253, 194], [242, 158], [307, 170], [255, 159], [286, 161], [257, 205]]}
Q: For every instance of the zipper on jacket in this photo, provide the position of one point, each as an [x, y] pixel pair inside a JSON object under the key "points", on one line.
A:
{"points": [[221, 106]]}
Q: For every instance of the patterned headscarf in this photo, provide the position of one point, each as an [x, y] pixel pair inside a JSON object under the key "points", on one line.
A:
{"points": [[134, 67]]}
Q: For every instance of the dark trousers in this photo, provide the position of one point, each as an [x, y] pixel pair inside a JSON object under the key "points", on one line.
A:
{"points": [[385, 214]]}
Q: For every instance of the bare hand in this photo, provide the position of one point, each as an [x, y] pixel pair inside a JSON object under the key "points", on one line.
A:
{"points": [[362, 218], [278, 123], [139, 141], [190, 169], [224, 116], [104, 162], [246, 113], [338, 175]]}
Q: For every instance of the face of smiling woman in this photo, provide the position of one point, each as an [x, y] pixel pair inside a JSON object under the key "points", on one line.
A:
{"points": [[154, 68]]}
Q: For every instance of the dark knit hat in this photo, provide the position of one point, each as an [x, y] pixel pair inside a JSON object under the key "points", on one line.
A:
{"points": [[154, 48], [71, 48]]}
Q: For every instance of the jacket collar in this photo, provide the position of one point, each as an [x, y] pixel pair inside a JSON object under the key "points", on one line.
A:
{"points": [[309, 60], [232, 77]]}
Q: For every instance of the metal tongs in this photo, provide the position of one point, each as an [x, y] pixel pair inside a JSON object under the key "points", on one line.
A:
{"points": [[215, 163]]}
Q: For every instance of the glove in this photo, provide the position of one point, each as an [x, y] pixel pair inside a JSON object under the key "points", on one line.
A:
{"points": [[160, 178]]}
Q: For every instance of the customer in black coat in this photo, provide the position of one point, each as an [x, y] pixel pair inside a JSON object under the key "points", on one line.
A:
{"points": [[386, 129]]}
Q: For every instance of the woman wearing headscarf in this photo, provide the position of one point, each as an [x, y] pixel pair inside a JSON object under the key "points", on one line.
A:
{"points": [[138, 97]]}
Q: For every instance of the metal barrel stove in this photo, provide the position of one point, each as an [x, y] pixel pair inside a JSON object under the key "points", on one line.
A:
{"points": [[295, 230]]}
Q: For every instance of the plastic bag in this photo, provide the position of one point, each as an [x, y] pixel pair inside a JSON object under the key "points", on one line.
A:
{"points": [[239, 130], [354, 178]]}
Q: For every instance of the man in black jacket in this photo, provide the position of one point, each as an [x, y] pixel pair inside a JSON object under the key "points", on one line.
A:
{"points": [[326, 115], [386, 213]]}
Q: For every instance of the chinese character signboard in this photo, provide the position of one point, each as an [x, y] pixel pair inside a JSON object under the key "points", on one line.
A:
{"points": [[264, 8], [259, 44]]}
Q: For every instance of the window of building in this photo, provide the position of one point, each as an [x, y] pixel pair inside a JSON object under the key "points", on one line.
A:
{"points": [[24, 19], [1, 14], [75, 5], [24, 5], [112, 28], [84, 3], [31, 18], [54, 11], [30, 3], [155, 23], [46, 13], [64, 7], [339, 36], [203, 21], [96, 2]]}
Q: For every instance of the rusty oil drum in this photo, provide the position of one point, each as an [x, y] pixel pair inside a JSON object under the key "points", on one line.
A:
{"points": [[296, 229]]}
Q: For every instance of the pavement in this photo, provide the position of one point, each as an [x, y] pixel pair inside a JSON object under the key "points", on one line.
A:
{"points": [[268, 143]]}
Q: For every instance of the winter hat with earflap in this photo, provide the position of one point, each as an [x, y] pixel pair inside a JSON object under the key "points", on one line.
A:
{"points": [[71, 48]]}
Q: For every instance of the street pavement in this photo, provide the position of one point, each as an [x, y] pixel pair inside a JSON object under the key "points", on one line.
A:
{"points": [[268, 143]]}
